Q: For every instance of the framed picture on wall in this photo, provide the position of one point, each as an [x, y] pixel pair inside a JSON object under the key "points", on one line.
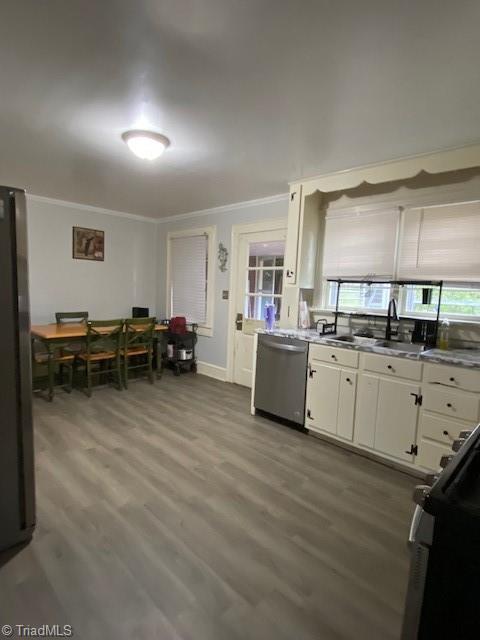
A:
{"points": [[88, 244]]}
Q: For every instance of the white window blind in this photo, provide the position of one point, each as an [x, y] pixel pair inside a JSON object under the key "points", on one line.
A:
{"points": [[360, 245], [441, 242], [188, 277]]}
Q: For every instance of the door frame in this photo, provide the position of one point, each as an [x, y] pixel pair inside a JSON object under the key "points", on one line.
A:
{"points": [[239, 230]]}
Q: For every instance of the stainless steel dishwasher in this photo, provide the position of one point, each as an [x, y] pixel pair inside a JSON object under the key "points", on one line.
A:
{"points": [[281, 377]]}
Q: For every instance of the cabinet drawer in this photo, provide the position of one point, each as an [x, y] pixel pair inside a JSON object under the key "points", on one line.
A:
{"points": [[456, 404], [391, 366], [442, 429], [454, 377], [430, 454], [343, 357]]}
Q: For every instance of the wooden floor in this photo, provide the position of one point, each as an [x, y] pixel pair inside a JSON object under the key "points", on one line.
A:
{"points": [[171, 513]]}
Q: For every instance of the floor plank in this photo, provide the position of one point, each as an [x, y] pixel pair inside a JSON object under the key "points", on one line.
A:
{"points": [[169, 512]]}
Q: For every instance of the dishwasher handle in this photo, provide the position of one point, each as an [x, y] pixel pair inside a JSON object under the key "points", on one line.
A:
{"points": [[284, 347]]}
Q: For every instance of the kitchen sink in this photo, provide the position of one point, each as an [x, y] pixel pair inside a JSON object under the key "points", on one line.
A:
{"points": [[356, 340], [400, 346], [375, 342]]}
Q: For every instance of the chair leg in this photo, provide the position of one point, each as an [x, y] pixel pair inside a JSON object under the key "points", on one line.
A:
{"points": [[51, 376], [89, 379], [69, 387], [151, 374], [119, 375]]}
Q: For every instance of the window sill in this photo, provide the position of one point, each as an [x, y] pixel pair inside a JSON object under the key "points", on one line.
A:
{"points": [[205, 331]]}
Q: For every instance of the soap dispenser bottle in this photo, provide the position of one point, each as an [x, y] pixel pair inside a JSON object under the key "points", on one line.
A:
{"points": [[443, 335]]}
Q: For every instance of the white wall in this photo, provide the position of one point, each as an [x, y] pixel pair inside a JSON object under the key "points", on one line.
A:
{"points": [[213, 350], [106, 289]]}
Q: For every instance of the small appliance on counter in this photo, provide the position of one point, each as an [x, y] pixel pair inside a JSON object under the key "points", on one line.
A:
{"points": [[444, 584]]}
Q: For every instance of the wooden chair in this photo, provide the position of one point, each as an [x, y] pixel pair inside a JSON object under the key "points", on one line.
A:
{"points": [[138, 341], [50, 360], [103, 347], [73, 317]]}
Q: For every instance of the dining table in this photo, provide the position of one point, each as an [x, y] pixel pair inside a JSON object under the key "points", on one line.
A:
{"points": [[55, 334], [72, 331]]}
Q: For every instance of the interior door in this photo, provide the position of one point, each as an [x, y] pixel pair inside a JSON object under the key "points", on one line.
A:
{"points": [[259, 282]]}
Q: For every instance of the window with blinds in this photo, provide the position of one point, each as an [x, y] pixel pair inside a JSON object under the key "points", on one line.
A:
{"points": [[361, 244], [441, 242], [189, 277]]}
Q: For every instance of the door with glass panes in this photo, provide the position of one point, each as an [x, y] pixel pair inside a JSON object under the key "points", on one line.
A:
{"points": [[259, 283]]}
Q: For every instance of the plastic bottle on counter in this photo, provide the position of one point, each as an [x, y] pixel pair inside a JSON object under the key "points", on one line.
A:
{"points": [[443, 334]]}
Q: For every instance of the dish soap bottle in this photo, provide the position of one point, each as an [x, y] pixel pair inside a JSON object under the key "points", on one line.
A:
{"points": [[443, 334]]}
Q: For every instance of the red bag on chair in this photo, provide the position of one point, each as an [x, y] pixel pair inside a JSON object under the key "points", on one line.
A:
{"points": [[178, 325]]}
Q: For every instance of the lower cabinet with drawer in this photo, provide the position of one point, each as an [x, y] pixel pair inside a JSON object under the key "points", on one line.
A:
{"points": [[397, 408], [451, 403], [331, 394], [436, 434]]}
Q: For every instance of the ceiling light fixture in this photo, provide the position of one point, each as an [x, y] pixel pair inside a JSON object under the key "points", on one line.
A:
{"points": [[145, 144]]}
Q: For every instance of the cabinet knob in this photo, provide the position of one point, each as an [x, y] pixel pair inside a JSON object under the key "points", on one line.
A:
{"points": [[333, 356], [389, 366], [348, 379], [452, 379], [421, 493], [458, 443], [449, 405]]}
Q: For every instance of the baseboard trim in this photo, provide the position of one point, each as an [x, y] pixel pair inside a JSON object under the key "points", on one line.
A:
{"points": [[212, 371]]}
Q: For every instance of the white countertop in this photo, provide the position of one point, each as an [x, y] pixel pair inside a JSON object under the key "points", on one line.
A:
{"points": [[469, 358]]}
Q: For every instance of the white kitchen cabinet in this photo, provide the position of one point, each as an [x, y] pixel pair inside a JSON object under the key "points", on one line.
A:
{"points": [[451, 403], [346, 404], [323, 385], [386, 416], [293, 233], [330, 404], [304, 228], [397, 416], [366, 414]]}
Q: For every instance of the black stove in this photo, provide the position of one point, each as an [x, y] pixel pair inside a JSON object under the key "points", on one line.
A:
{"points": [[444, 584]]}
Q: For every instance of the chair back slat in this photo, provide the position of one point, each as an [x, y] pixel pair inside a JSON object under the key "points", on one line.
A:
{"points": [[139, 332], [71, 317], [104, 335]]}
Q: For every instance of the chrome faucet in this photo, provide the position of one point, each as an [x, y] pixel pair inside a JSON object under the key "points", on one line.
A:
{"points": [[391, 315]]}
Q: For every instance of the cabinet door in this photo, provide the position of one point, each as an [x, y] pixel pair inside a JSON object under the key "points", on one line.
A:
{"points": [[293, 233], [346, 404], [397, 414], [366, 413], [322, 396]]}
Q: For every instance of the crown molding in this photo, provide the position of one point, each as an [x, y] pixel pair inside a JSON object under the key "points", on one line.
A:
{"points": [[227, 208], [87, 207]]}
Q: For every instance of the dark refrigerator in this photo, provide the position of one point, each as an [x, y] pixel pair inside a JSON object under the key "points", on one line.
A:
{"points": [[17, 490]]}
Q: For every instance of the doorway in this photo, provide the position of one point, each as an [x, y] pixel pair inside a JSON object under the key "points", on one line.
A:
{"points": [[257, 281]]}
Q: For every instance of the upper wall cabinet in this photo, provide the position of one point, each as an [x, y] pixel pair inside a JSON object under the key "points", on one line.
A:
{"points": [[304, 227], [441, 243]]}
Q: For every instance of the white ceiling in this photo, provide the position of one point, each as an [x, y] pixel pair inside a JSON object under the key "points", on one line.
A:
{"points": [[252, 93]]}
